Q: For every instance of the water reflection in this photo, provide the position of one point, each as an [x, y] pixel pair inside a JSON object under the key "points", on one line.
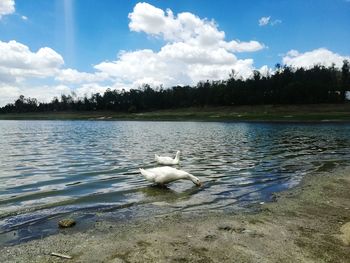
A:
{"points": [[67, 166]]}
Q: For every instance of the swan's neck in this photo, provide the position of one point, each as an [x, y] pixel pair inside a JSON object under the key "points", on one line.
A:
{"points": [[177, 156], [191, 178]]}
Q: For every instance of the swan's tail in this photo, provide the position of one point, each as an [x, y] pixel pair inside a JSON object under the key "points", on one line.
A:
{"points": [[147, 174]]}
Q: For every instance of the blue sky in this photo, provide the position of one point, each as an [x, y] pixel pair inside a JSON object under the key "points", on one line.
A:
{"points": [[83, 41]]}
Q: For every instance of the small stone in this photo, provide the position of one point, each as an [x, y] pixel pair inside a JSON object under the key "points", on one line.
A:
{"points": [[345, 230], [209, 237], [225, 227], [239, 229], [65, 223]]}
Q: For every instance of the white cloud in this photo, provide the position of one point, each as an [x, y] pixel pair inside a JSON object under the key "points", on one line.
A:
{"points": [[185, 27], [43, 93], [8, 94], [18, 62], [320, 56], [74, 76], [19, 67], [195, 50], [266, 71], [266, 20], [7, 7], [24, 18], [275, 22], [91, 88], [237, 46]]}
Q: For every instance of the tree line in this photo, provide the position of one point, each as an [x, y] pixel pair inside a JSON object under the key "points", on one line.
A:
{"points": [[287, 85]]}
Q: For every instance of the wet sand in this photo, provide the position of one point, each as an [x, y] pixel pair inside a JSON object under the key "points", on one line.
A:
{"points": [[309, 223]]}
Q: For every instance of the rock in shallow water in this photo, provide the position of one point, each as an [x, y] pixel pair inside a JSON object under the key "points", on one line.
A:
{"points": [[65, 223], [345, 230]]}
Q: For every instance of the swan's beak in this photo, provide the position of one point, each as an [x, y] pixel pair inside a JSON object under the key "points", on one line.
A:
{"points": [[200, 184]]}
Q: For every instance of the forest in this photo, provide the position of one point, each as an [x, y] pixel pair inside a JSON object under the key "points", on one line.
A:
{"points": [[286, 85]]}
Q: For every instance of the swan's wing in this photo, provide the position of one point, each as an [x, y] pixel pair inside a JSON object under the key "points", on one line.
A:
{"points": [[166, 178], [167, 174], [165, 160]]}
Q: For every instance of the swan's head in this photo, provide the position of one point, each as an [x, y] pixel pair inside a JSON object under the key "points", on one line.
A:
{"points": [[195, 180], [178, 153], [199, 183]]}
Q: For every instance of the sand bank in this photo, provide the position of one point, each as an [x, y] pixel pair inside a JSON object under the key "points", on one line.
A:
{"points": [[310, 223]]}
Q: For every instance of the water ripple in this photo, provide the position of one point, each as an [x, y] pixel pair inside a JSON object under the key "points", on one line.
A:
{"points": [[50, 168]]}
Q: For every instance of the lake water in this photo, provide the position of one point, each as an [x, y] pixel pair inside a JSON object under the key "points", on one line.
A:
{"points": [[51, 169]]}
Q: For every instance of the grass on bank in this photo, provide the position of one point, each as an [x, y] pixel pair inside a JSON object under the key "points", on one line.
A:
{"points": [[317, 112]]}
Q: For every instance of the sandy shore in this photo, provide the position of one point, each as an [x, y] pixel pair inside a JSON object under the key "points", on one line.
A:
{"points": [[310, 223]]}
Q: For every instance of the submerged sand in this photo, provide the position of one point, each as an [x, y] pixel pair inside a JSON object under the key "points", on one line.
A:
{"points": [[310, 223]]}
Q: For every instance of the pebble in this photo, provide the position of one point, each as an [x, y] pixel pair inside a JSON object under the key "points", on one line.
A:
{"points": [[65, 223]]}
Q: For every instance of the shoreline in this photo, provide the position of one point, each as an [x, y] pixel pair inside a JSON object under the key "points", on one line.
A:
{"points": [[258, 113], [308, 223]]}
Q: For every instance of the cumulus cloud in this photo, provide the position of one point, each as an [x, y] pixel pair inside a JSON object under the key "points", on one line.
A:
{"points": [[266, 71], [237, 46], [185, 27], [43, 93], [195, 50], [7, 7], [320, 56], [74, 76], [8, 94], [23, 72], [19, 66], [91, 88], [18, 62]]}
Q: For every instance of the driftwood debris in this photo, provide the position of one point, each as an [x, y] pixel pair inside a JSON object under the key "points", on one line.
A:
{"points": [[60, 255]]}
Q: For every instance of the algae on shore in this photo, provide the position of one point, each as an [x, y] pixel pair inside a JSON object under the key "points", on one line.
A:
{"points": [[307, 224]]}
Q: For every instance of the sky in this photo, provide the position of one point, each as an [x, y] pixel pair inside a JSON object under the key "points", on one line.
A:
{"points": [[54, 47]]}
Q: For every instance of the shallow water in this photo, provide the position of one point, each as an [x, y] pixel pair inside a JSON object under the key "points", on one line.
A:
{"points": [[49, 169]]}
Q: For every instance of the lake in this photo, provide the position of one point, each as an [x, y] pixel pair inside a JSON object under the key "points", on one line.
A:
{"points": [[53, 169]]}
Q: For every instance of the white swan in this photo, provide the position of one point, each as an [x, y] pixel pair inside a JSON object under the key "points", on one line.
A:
{"points": [[168, 160], [164, 175]]}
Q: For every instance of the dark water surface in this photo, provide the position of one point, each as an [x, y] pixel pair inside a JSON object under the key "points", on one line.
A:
{"points": [[51, 169]]}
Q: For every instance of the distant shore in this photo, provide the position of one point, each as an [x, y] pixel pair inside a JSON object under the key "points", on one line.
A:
{"points": [[280, 113], [309, 223]]}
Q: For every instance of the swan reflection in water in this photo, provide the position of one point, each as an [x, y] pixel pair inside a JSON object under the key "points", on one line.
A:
{"points": [[165, 193]]}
